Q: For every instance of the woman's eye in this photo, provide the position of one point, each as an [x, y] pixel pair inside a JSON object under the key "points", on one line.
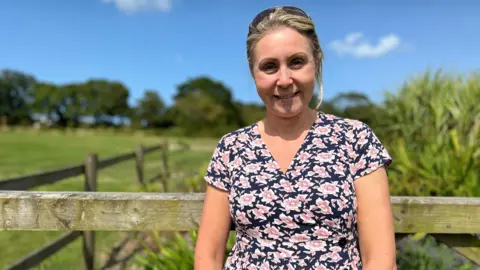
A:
{"points": [[297, 62], [269, 67]]}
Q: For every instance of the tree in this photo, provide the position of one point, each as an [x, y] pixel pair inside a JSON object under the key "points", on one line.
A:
{"points": [[16, 96], [150, 109], [107, 100], [203, 105]]}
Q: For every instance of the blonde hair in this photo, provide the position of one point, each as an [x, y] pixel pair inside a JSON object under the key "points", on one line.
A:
{"points": [[304, 25]]}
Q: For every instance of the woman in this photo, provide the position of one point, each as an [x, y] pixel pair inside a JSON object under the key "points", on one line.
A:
{"points": [[304, 189]]}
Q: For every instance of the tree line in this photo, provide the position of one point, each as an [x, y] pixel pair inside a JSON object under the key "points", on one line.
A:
{"points": [[201, 105]]}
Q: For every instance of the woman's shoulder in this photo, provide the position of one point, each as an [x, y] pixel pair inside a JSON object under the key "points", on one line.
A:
{"points": [[237, 137], [340, 124]]}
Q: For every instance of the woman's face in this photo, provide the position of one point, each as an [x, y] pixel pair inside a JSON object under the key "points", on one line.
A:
{"points": [[284, 72]]}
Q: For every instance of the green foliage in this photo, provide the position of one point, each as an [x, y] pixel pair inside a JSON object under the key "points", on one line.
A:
{"points": [[16, 94], [174, 254], [431, 127], [428, 254]]}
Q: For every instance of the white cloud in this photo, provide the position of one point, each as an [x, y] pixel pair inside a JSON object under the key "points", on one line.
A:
{"points": [[356, 45], [130, 6]]}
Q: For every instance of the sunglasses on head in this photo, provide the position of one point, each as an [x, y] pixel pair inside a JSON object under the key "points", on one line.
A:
{"points": [[288, 9]]}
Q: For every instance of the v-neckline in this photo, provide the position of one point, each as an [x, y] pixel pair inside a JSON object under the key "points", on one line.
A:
{"points": [[300, 148]]}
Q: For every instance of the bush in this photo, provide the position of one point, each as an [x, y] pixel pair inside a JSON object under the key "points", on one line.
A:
{"points": [[431, 127]]}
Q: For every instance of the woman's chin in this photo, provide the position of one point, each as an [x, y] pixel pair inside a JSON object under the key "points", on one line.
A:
{"points": [[288, 110]]}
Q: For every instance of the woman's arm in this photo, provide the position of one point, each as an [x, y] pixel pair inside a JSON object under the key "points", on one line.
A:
{"points": [[375, 221], [214, 230]]}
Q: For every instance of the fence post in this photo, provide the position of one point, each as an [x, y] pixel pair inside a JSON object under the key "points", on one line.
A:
{"points": [[139, 164], [91, 169], [166, 172]]}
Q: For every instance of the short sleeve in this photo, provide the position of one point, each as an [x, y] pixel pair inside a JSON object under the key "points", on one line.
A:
{"points": [[218, 174], [370, 154]]}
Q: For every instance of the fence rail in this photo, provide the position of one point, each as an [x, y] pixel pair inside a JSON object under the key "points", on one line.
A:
{"points": [[452, 220], [126, 211], [12, 187]]}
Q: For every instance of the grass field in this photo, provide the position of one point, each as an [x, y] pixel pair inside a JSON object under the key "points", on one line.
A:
{"points": [[30, 152]]}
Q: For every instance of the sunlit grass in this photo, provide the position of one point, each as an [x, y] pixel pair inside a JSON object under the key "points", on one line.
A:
{"points": [[31, 152]]}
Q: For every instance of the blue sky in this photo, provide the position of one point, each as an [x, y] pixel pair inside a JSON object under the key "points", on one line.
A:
{"points": [[157, 44]]}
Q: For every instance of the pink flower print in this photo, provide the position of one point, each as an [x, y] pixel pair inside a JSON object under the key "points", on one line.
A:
{"points": [[266, 242], [339, 169], [246, 200], [329, 188], [285, 253], [254, 232], [237, 163], [296, 172], [265, 153], [268, 196], [315, 245], [228, 140], [299, 237], [258, 254], [334, 139], [304, 184], [355, 123], [320, 267], [342, 204], [334, 257], [350, 151], [302, 197], [242, 217], [308, 217], [218, 166], [243, 137], [319, 143], [372, 153], [265, 266], [244, 182], [291, 204], [357, 166], [322, 130], [349, 218], [336, 128], [272, 232], [326, 156], [320, 171], [260, 211], [287, 186], [272, 166], [346, 188], [304, 156], [330, 223], [257, 143], [324, 206], [252, 168], [288, 221], [261, 179], [322, 232], [250, 154]]}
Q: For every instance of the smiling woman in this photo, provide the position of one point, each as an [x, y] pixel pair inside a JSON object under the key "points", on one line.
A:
{"points": [[304, 189]]}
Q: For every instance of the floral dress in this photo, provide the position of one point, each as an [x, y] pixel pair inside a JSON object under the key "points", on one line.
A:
{"points": [[304, 218]]}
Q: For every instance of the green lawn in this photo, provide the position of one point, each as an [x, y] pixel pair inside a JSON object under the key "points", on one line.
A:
{"points": [[29, 152]]}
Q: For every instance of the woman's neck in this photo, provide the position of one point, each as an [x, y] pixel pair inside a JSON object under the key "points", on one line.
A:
{"points": [[289, 128]]}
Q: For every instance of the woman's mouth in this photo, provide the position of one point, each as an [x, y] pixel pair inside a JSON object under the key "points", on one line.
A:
{"points": [[286, 97]]}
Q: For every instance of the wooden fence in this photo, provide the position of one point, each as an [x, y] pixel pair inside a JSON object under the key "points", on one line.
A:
{"points": [[10, 188], [454, 221]]}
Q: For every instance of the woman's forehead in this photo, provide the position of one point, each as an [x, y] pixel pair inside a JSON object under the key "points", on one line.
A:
{"points": [[284, 41]]}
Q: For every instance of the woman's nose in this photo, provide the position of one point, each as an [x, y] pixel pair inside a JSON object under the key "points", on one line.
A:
{"points": [[284, 77]]}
